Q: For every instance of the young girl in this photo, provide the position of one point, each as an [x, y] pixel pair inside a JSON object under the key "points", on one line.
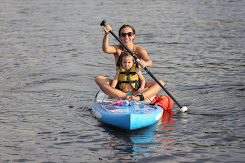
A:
{"points": [[128, 78]]}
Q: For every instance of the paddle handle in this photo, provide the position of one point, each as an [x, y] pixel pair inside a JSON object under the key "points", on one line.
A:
{"points": [[103, 23]]}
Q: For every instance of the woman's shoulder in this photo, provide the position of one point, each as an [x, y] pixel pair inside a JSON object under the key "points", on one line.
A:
{"points": [[139, 49], [118, 48]]}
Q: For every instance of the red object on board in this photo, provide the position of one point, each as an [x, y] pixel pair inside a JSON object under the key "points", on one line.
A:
{"points": [[163, 101]]}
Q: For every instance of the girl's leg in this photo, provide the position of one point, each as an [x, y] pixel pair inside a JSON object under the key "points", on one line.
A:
{"points": [[105, 85]]}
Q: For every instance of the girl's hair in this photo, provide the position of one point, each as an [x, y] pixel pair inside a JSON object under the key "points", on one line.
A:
{"points": [[125, 54], [124, 26]]}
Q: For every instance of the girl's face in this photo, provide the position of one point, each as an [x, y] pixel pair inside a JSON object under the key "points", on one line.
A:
{"points": [[127, 35], [127, 62]]}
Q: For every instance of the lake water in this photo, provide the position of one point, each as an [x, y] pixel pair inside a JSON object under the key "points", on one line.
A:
{"points": [[50, 53]]}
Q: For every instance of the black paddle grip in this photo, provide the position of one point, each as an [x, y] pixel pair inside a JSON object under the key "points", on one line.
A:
{"points": [[103, 23]]}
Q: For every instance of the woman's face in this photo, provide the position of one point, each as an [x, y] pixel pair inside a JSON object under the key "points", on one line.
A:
{"points": [[127, 36]]}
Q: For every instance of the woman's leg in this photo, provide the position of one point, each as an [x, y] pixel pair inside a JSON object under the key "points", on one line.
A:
{"points": [[153, 89], [105, 85]]}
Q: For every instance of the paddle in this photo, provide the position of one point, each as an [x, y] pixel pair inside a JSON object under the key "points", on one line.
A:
{"points": [[182, 109]]}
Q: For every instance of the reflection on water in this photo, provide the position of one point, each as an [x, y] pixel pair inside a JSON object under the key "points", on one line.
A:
{"points": [[140, 143]]}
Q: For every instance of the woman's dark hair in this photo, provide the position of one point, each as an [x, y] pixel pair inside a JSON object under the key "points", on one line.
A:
{"points": [[124, 26]]}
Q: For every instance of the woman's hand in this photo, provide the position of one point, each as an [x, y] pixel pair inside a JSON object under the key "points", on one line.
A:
{"points": [[142, 63], [107, 28]]}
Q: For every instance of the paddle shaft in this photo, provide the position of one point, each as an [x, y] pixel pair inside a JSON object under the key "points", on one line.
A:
{"points": [[146, 69]]}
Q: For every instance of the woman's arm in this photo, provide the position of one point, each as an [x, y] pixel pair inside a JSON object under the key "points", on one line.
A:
{"points": [[105, 44], [145, 60]]}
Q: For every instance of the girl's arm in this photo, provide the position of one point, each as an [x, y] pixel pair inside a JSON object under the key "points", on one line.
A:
{"points": [[115, 80], [142, 80]]}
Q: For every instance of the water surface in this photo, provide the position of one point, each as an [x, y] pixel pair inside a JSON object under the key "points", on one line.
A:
{"points": [[50, 53]]}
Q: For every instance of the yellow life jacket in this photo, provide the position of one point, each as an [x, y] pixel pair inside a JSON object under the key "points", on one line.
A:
{"points": [[128, 76]]}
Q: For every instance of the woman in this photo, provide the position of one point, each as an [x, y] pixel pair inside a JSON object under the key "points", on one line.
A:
{"points": [[126, 35]]}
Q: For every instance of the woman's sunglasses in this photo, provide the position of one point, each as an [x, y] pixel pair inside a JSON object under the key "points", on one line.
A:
{"points": [[130, 34]]}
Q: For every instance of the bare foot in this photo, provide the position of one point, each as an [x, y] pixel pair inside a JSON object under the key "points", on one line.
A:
{"points": [[124, 97]]}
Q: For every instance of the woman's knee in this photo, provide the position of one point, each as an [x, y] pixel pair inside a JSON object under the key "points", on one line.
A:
{"points": [[98, 79], [153, 83], [101, 80], [161, 82], [156, 84]]}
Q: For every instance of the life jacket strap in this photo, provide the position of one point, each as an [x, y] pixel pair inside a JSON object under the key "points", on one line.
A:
{"points": [[128, 72], [131, 81]]}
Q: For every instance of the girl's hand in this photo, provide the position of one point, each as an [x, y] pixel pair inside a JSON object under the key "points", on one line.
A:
{"points": [[140, 90], [107, 28]]}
